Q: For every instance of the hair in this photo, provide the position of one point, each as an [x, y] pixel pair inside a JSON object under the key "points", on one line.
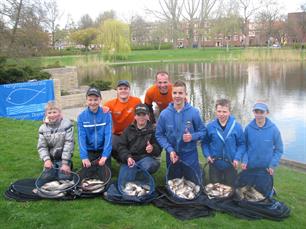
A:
{"points": [[223, 103], [179, 83], [162, 73], [52, 105]]}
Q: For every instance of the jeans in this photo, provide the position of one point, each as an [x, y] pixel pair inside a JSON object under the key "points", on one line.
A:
{"points": [[149, 164]]}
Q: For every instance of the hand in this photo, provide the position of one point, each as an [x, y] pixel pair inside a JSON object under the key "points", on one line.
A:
{"points": [[65, 168], [173, 157], [235, 164], [105, 109], [244, 166], [102, 161], [149, 147], [86, 163], [187, 137], [210, 160], [48, 164], [270, 171], [130, 162]]}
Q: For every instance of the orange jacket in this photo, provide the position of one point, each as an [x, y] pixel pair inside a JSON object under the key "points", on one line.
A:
{"points": [[122, 113], [153, 95]]}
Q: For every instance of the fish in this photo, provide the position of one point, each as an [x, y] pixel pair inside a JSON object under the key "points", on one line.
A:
{"points": [[133, 189], [249, 193], [217, 190], [92, 185], [54, 189], [183, 188], [22, 96]]}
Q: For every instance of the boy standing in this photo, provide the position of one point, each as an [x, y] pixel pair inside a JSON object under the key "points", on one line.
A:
{"points": [[94, 131], [264, 145], [179, 127], [224, 145]]}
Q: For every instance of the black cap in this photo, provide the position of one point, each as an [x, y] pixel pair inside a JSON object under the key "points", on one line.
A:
{"points": [[141, 109], [93, 91], [123, 82]]}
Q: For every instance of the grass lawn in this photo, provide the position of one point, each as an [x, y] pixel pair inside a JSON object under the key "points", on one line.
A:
{"points": [[19, 159], [173, 55]]}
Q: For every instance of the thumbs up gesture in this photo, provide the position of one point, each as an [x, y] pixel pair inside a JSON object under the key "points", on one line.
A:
{"points": [[149, 147], [187, 137]]}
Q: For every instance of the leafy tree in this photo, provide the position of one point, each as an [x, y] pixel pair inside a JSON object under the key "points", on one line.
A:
{"points": [[85, 22], [84, 37], [111, 14], [115, 38]]}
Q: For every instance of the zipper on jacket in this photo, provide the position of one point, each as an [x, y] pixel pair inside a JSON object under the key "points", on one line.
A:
{"points": [[95, 131]]}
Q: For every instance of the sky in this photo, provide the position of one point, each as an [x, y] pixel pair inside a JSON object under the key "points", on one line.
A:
{"points": [[125, 9]]}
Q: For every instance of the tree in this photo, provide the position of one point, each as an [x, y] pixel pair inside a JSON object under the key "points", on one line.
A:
{"points": [[115, 38], [249, 8], [191, 9], [85, 22], [52, 15], [84, 37], [206, 8], [139, 30], [111, 14], [170, 11]]}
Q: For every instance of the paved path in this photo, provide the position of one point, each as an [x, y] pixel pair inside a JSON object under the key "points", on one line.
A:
{"points": [[72, 113]]}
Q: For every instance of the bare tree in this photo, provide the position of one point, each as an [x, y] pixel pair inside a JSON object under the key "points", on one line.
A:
{"points": [[139, 30], [85, 22], [191, 9], [206, 8], [52, 15], [170, 11], [249, 8], [111, 14]]}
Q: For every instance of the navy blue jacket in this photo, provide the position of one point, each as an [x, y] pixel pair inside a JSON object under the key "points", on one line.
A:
{"points": [[94, 133], [264, 146]]}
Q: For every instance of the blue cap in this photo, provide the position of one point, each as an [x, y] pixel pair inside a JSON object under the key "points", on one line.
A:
{"points": [[261, 106], [123, 82]]}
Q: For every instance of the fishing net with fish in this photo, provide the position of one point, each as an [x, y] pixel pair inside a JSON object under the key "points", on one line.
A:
{"points": [[181, 174], [134, 185], [55, 184], [93, 180]]}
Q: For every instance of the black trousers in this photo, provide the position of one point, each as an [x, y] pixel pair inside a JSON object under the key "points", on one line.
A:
{"points": [[227, 176]]}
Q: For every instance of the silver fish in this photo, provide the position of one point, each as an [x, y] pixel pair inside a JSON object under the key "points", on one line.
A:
{"points": [[217, 190], [183, 188], [133, 189], [249, 193], [92, 185]]}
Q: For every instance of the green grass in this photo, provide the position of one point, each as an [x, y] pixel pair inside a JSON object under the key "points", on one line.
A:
{"points": [[173, 55], [19, 159]]}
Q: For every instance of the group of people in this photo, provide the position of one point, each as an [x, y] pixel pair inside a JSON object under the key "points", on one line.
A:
{"points": [[133, 133]]}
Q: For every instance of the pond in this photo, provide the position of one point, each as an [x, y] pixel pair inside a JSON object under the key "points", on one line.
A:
{"points": [[281, 85]]}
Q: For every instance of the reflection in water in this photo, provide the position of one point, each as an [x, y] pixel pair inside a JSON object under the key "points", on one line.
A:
{"points": [[281, 85]]}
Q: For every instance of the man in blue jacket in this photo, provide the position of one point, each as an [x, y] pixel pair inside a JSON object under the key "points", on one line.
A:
{"points": [[94, 131], [224, 145], [179, 127], [264, 145]]}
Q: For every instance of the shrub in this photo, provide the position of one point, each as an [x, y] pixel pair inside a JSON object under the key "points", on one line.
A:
{"points": [[101, 85]]}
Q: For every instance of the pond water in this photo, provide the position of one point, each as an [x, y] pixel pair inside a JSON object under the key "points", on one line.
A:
{"points": [[281, 85]]}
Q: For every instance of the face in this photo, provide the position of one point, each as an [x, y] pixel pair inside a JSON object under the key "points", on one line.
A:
{"points": [[93, 102], [260, 115], [141, 119], [53, 115], [162, 82], [123, 92], [179, 95], [222, 113]]}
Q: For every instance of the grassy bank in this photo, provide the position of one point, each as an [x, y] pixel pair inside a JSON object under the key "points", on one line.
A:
{"points": [[19, 159], [174, 55]]}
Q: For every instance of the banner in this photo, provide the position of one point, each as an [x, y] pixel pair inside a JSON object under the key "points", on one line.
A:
{"points": [[25, 100]]}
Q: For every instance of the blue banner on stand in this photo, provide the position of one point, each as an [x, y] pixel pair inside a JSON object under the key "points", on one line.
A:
{"points": [[25, 100]]}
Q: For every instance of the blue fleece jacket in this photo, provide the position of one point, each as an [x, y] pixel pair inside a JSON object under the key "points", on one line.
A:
{"points": [[94, 132], [227, 144], [264, 146], [170, 129]]}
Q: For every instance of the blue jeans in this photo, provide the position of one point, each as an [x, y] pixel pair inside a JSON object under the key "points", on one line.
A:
{"points": [[149, 164]]}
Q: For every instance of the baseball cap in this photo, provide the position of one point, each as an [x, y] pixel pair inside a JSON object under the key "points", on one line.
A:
{"points": [[141, 109], [93, 91], [123, 82], [261, 106]]}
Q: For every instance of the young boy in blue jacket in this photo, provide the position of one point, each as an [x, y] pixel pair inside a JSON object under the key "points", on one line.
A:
{"points": [[179, 127], [264, 145], [224, 145], [94, 131]]}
